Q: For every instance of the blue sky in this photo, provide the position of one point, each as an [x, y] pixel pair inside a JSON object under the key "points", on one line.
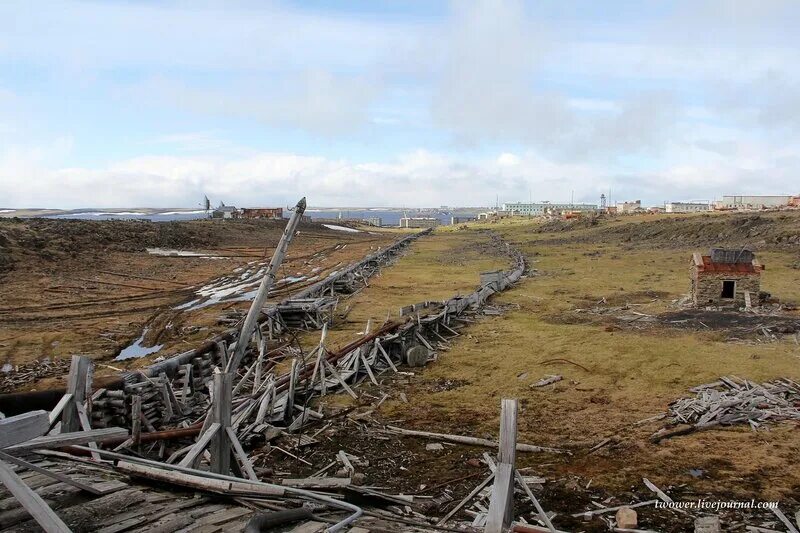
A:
{"points": [[374, 103]]}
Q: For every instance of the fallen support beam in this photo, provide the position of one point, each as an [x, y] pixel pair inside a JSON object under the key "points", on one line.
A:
{"points": [[473, 441], [69, 439], [198, 482]]}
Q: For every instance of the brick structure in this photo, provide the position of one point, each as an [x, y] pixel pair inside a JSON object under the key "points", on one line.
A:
{"points": [[723, 277], [262, 212]]}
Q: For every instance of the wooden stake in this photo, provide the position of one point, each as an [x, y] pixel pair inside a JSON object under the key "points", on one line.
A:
{"points": [[221, 414]]}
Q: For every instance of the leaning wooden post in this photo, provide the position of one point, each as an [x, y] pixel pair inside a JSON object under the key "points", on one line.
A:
{"points": [[263, 290], [221, 414], [501, 507], [79, 383]]}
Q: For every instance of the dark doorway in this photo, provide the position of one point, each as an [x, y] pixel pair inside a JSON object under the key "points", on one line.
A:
{"points": [[728, 288]]}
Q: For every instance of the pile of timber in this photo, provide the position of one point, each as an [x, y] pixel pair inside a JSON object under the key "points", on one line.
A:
{"points": [[12, 377], [732, 400]]}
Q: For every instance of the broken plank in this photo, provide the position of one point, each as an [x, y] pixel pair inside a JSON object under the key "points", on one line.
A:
{"points": [[31, 501], [20, 428]]}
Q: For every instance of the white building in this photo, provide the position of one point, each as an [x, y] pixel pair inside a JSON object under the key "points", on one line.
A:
{"points": [[686, 207], [755, 202], [418, 222], [534, 209]]}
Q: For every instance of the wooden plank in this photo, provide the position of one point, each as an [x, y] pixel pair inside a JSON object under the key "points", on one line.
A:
{"points": [[244, 460], [220, 445], [55, 414], [502, 500], [292, 390], [543, 515], [385, 355], [317, 482], [473, 441], [136, 418], [200, 445], [50, 473], [20, 428], [466, 499], [69, 439], [338, 377], [501, 506], [32, 502], [86, 426]]}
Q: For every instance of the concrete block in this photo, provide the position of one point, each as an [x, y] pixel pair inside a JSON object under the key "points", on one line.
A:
{"points": [[626, 518]]}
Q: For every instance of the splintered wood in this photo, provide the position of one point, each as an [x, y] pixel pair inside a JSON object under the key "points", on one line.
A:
{"points": [[733, 400]]}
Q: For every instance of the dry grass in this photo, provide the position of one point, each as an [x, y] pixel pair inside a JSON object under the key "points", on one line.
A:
{"points": [[434, 268], [631, 375]]}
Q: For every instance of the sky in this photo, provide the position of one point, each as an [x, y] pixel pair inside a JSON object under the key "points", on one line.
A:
{"points": [[388, 103]]}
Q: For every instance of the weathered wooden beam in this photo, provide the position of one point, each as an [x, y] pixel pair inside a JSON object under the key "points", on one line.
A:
{"points": [[69, 439], [79, 384], [19, 428], [199, 482], [501, 506], [267, 282], [55, 414], [220, 446], [244, 460], [199, 447]]}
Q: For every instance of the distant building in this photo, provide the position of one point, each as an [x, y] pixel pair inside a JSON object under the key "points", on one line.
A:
{"points": [[686, 207], [724, 277], [629, 207], [418, 222], [373, 221], [462, 219], [755, 202], [494, 214], [534, 209], [261, 212], [225, 211]]}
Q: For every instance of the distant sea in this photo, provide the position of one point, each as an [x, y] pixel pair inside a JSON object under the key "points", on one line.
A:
{"points": [[389, 217]]}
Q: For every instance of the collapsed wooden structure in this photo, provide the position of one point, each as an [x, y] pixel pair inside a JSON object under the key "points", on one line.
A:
{"points": [[227, 394]]}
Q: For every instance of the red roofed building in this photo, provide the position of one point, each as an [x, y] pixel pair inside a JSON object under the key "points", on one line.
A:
{"points": [[723, 277]]}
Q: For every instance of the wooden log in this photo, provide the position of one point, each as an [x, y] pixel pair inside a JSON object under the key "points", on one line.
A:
{"points": [[317, 482], [473, 441], [32, 502], [199, 482], [20, 428]]}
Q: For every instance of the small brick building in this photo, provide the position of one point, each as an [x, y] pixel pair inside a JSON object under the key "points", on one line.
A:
{"points": [[262, 212], [723, 277]]}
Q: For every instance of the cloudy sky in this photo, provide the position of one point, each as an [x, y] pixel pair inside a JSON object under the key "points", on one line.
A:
{"points": [[388, 103]]}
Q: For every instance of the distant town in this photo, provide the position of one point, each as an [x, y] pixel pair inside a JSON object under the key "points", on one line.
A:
{"points": [[532, 209]]}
